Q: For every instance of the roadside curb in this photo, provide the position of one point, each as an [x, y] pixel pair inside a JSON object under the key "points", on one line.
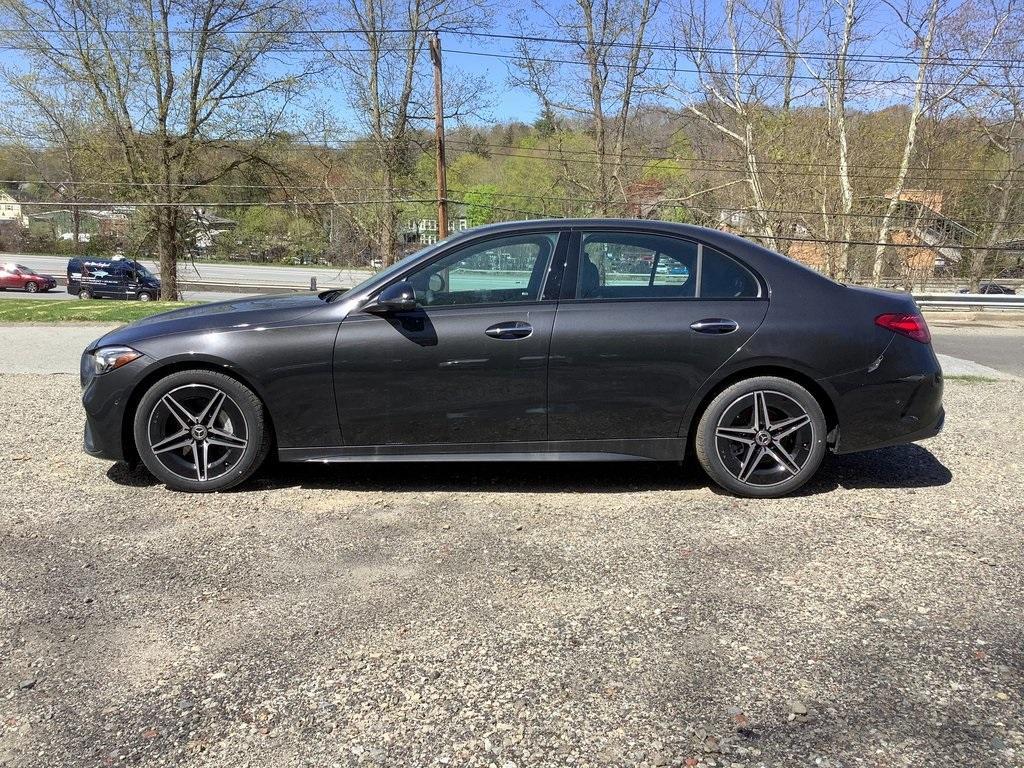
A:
{"points": [[937, 317]]}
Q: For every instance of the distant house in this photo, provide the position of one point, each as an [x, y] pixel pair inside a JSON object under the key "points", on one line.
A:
{"points": [[207, 226], [103, 222], [931, 241], [10, 209], [425, 231]]}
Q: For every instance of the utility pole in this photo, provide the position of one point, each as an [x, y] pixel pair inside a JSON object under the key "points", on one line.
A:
{"points": [[442, 180]]}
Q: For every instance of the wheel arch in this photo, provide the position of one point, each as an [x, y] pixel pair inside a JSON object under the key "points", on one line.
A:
{"points": [[189, 364], [726, 379]]}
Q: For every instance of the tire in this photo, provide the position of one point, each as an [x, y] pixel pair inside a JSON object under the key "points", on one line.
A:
{"points": [[201, 431], [31, 287], [84, 294], [762, 437], [145, 296]]}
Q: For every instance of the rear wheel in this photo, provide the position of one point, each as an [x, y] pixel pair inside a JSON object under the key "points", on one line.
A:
{"points": [[762, 437], [201, 431], [31, 287]]}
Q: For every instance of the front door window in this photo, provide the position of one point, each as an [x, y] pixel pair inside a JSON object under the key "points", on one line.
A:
{"points": [[506, 270]]}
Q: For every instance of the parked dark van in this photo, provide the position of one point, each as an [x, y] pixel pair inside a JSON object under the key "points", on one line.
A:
{"points": [[116, 278]]}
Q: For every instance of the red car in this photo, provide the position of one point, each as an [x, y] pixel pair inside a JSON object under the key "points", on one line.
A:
{"points": [[21, 278]]}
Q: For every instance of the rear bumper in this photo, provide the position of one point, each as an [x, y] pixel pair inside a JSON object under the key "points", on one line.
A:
{"points": [[898, 401]]}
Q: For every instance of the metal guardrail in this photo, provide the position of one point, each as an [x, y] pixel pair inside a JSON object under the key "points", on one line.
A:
{"points": [[968, 301]]}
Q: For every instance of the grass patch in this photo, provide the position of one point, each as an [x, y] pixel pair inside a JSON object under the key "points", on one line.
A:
{"points": [[971, 379], [92, 311]]}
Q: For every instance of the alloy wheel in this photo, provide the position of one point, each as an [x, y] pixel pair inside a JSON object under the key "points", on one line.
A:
{"points": [[197, 432], [31, 287], [764, 438]]}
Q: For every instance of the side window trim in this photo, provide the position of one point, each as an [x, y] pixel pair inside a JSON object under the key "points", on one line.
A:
{"points": [[699, 271], [570, 278]]}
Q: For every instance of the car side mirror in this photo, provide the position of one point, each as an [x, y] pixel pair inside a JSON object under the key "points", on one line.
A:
{"points": [[399, 297]]}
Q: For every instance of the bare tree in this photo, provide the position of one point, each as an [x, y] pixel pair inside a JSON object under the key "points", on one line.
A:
{"points": [[382, 68], [935, 31], [609, 39], [734, 51], [836, 78], [55, 138], [993, 98], [189, 89]]}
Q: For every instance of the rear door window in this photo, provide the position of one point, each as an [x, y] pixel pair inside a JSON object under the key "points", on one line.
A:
{"points": [[626, 265], [638, 266]]}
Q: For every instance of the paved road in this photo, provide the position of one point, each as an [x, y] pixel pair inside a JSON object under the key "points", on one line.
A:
{"points": [[28, 348], [63, 295], [243, 274], [999, 348]]}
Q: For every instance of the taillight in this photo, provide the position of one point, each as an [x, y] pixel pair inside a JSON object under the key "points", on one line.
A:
{"points": [[912, 326]]}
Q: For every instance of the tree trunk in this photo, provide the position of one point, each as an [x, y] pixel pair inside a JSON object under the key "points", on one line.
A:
{"points": [[76, 226], [389, 215], [167, 249]]}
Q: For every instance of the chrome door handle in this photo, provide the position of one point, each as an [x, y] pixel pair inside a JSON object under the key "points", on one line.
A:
{"points": [[715, 325], [512, 330]]}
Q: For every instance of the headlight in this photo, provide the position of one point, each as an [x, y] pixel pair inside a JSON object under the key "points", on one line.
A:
{"points": [[108, 358]]}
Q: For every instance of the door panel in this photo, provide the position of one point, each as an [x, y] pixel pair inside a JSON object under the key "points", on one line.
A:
{"points": [[634, 339], [469, 365], [435, 375], [628, 369]]}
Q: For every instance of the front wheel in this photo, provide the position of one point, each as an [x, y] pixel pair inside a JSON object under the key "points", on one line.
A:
{"points": [[31, 287], [201, 431], [762, 437], [145, 297], [84, 294]]}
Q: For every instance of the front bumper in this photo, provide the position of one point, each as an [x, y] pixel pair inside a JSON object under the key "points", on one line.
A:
{"points": [[107, 400]]}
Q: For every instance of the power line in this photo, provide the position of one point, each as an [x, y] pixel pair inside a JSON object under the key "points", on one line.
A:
{"points": [[538, 214], [531, 38], [781, 212], [232, 204], [697, 71], [408, 198], [970, 174], [825, 172], [37, 48], [471, 145]]}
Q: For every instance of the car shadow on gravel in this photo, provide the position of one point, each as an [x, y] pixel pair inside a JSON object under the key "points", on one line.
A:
{"points": [[904, 466], [901, 466]]}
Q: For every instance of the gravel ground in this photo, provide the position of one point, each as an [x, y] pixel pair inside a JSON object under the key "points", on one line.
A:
{"points": [[513, 616]]}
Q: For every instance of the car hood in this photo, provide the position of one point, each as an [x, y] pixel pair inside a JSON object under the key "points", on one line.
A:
{"points": [[234, 313]]}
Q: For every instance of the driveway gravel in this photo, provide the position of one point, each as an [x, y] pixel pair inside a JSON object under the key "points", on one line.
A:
{"points": [[513, 615]]}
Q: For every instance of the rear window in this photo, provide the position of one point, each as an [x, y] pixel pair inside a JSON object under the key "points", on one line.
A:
{"points": [[722, 277]]}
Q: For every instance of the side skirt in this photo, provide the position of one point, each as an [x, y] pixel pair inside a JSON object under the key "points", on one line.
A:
{"points": [[653, 449]]}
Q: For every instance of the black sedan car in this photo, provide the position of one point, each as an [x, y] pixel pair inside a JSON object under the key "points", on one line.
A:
{"points": [[581, 340], [992, 288]]}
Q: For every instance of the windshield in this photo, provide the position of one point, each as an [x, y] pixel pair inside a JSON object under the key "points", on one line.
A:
{"points": [[143, 272], [24, 270], [396, 267]]}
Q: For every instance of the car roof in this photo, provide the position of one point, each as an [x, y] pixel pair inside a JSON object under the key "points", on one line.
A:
{"points": [[771, 264]]}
